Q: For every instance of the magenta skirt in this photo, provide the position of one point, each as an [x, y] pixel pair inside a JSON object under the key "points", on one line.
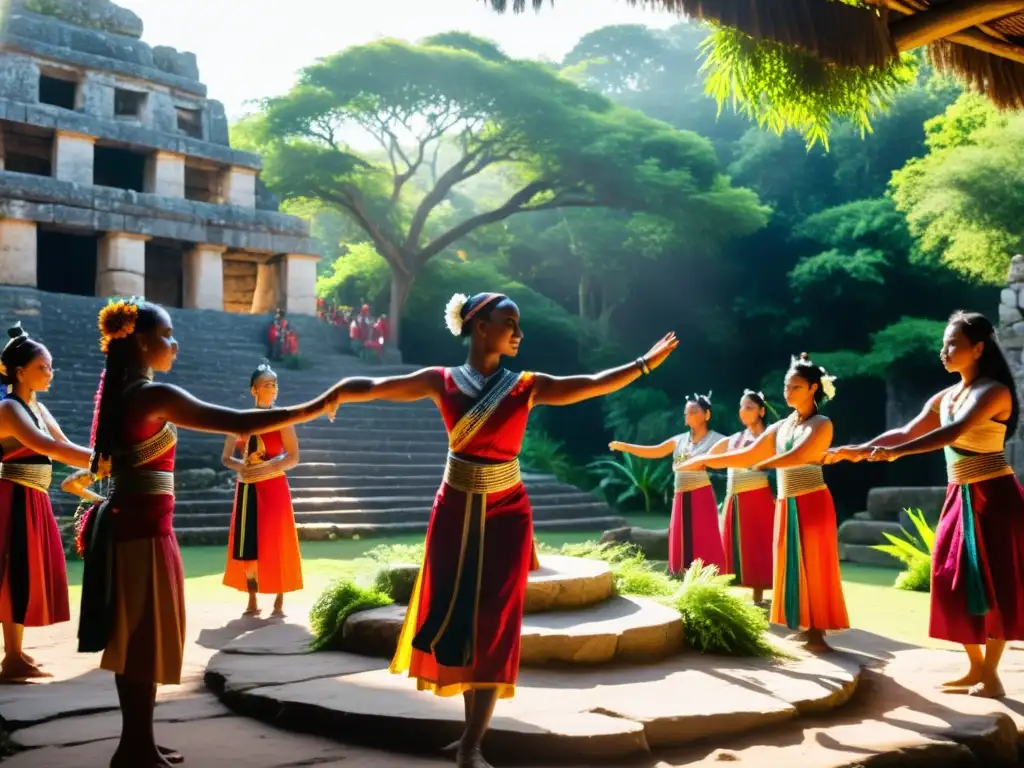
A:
{"points": [[978, 563], [693, 531]]}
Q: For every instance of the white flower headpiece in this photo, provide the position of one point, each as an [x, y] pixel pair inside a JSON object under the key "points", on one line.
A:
{"points": [[828, 385], [453, 313], [757, 392]]}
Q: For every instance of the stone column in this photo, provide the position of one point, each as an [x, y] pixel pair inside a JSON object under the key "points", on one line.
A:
{"points": [[238, 186], [73, 157], [300, 283], [266, 297], [165, 174], [121, 266], [18, 252], [203, 273]]}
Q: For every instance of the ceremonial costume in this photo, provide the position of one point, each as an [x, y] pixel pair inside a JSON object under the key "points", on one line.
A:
{"points": [[808, 588], [747, 528], [263, 526], [693, 528], [463, 624], [978, 555]]}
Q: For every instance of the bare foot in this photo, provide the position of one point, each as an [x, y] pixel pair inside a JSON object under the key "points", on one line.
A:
{"points": [[16, 668], [130, 758], [452, 748], [29, 660], [814, 641], [278, 607], [973, 677], [172, 756], [471, 758], [988, 689]]}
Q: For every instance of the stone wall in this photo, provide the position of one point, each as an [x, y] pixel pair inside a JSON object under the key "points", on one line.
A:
{"points": [[1011, 336]]}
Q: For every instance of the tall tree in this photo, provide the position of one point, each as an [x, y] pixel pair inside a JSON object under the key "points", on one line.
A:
{"points": [[558, 145]]}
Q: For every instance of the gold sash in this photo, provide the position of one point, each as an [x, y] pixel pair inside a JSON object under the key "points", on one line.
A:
{"points": [[799, 481], [36, 476], [691, 481], [742, 480], [470, 477], [973, 469]]}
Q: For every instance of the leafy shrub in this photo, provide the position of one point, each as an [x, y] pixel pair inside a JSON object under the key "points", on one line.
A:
{"points": [[716, 620], [915, 552], [388, 554], [633, 573], [336, 603], [627, 478], [397, 582], [542, 453]]}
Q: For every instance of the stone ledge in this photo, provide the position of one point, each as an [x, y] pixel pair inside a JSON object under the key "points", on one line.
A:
{"points": [[132, 134], [599, 715]]}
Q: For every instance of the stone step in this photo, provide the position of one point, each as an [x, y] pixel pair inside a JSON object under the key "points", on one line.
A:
{"points": [[887, 503], [863, 554], [868, 531], [618, 629], [372, 493], [578, 714], [217, 536]]}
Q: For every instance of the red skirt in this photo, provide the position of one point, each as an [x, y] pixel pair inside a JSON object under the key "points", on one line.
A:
{"points": [[693, 531], [465, 616], [747, 533], [978, 563], [277, 557], [34, 586]]}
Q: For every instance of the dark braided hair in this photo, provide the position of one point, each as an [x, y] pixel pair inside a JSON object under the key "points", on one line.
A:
{"points": [[809, 372], [992, 364], [119, 321], [19, 351], [263, 369]]}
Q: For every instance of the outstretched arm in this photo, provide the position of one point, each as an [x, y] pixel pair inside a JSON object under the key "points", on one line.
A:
{"points": [[992, 403], [658, 451], [567, 390], [810, 450], [15, 422], [423, 384], [922, 424], [174, 404], [761, 449]]}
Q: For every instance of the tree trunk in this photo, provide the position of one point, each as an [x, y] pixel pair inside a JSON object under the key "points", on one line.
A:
{"points": [[401, 287]]}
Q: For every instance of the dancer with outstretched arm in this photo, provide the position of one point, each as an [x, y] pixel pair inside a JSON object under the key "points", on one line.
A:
{"points": [[461, 632], [977, 596]]}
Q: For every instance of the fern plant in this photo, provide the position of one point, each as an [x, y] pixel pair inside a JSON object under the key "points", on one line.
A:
{"points": [[336, 603], [543, 453], [915, 552], [717, 620], [631, 478]]}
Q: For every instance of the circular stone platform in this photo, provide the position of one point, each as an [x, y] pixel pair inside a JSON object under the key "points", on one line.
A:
{"points": [[594, 715], [621, 628], [567, 583]]}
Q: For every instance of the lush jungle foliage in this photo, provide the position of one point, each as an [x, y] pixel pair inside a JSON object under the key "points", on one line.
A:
{"points": [[614, 201]]}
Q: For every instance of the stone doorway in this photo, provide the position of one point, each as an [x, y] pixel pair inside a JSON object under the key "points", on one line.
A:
{"points": [[164, 283], [66, 261]]}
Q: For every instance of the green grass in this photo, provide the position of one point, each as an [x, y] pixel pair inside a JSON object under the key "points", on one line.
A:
{"points": [[873, 603]]}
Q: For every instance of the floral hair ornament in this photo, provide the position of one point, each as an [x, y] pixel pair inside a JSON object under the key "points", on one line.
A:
{"points": [[828, 385], [117, 321], [453, 313], [756, 393]]}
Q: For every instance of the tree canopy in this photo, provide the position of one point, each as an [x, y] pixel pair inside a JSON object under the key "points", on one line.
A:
{"points": [[453, 109]]}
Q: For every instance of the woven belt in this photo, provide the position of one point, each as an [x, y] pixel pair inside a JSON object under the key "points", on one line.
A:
{"points": [[37, 476], [691, 481], [142, 481], [798, 481], [470, 477], [742, 480], [973, 469], [255, 477]]}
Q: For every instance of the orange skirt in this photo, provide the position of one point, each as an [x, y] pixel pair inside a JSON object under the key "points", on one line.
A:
{"points": [[278, 560], [808, 589], [146, 642]]}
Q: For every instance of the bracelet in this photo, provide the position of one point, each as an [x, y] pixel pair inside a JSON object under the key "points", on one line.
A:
{"points": [[642, 365]]}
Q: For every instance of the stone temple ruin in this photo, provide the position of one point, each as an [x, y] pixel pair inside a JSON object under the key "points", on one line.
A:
{"points": [[117, 176]]}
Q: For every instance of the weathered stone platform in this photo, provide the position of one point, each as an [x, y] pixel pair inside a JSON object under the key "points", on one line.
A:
{"points": [[604, 714]]}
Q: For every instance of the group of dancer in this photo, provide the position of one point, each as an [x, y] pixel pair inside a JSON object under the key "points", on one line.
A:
{"points": [[462, 629]]}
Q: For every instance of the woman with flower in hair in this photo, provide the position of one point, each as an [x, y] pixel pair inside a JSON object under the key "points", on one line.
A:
{"points": [[749, 510], [33, 576], [807, 590], [978, 554], [263, 545], [461, 632], [693, 528], [133, 603]]}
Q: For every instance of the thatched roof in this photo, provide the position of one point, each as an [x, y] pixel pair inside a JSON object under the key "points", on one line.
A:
{"points": [[980, 41]]}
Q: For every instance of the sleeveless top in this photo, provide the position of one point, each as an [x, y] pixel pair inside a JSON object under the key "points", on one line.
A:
{"points": [[24, 466], [741, 480], [686, 481], [804, 479], [977, 455]]}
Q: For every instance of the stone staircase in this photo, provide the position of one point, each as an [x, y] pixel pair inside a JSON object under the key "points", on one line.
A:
{"points": [[886, 513], [374, 471]]}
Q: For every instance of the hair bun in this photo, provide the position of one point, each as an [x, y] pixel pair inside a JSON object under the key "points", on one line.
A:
{"points": [[16, 331]]}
